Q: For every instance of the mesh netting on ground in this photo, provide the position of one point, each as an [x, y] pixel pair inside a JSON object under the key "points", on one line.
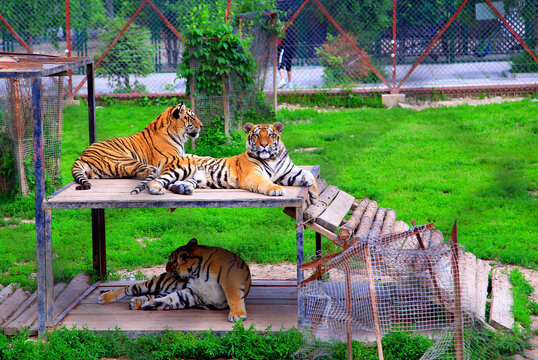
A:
{"points": [[389, 284], [16, 133]]}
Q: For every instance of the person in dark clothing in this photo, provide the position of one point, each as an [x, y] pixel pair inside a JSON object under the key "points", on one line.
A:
{"points": [[286, 53]]}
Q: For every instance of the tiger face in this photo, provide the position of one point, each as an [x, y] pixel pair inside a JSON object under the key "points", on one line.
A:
{"points": [[183, 120], [263, 140], [183, 263]]}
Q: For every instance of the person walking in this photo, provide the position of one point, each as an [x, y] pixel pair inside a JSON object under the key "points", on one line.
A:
{"points": [[286, 53]]}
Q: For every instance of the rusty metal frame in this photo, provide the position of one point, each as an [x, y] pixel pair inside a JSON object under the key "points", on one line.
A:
{"points": [[11, 30], [131, 19]]}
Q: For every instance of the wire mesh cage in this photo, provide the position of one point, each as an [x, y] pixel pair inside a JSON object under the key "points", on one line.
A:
{"points": [[386, 284], [16, 133]]}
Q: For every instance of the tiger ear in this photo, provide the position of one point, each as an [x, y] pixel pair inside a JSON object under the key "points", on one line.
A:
{"points": [[247, 127], [178, 110], [279, 126], [192, 241]]}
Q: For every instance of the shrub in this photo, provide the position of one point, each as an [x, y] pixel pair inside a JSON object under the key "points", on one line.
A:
{"points": [[132, 55]]}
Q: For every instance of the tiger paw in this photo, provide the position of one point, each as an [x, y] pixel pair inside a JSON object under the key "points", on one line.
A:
{"points": [[155, 305], [234, 316], [275, 190], [136, 303], [156, 189], [106, 297], [181, 187]]}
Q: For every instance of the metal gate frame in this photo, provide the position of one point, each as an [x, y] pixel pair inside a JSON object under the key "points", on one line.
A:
{"points": [[392, 88]]}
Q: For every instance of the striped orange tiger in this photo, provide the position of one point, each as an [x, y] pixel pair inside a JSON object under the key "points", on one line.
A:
{"points": [[263, 168], [141, 154], [196, 276]]}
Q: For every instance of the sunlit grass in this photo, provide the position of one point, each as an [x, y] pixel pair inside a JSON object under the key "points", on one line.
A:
{"points": [[476, 165]]}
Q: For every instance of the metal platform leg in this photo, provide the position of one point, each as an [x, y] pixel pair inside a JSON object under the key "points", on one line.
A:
{"points": [[99, 241], [299, 229]]}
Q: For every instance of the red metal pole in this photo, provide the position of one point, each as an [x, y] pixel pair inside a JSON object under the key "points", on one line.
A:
{"points": [[68, 43], [292, 19], [113, 43], [346, 36], [433, 42], [164, 19], [512, 30], [394, 89], [19, 39]]}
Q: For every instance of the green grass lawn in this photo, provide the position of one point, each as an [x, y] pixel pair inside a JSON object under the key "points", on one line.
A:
{"points": [[476, 165]]}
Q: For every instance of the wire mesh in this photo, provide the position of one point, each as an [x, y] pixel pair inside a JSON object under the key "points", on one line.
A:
{"points": [[336, 43], [16, 133], [390, 284]]}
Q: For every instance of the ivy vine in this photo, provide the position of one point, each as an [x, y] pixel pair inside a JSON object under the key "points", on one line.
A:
{"points": [[211, 44]]}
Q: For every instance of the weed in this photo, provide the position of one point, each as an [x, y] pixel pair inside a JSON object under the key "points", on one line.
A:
{"points": [[523, 305]]}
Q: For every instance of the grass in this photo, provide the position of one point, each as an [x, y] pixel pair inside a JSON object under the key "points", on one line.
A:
{"points": [[477, 165]]}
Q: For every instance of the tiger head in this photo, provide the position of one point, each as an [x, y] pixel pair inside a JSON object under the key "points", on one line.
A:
{"points": [[263, 140], [181, 120], [185, 261]]}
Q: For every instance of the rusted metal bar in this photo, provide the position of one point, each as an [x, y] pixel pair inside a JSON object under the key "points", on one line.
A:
{"points": [[76, 302], [395, 90], [20, 151], [459, 343], [112, 43], [348, 39], [165, 20], [68, 43], [349, 327], [501, 17], [11, 30], [274, 45], [433, 42], [294, 16], [374, 302]]}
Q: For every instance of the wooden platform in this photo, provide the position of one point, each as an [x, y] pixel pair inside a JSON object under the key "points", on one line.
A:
{"points": [[269, 303]]}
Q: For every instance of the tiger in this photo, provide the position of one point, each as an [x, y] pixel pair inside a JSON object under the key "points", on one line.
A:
{"points": [[196, 276], [141, 154], [261, 168]]}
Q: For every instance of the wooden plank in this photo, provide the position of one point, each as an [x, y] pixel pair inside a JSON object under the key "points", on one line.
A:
{"points": [[500, 313], [332, 217], [75, 288], [322, 185], [7, 291], [29, 315], [483, 270], [312, 225], [23, 307], [325, 198], [11, 304]]}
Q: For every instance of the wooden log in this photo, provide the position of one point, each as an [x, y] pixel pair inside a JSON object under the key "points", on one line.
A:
{"points": [[483, 269], [500, 314], [436, 238], [346, 230], [11, 304], [29, 315], [332, 217], [325, 198], [388, 223], [378, 220], [426, 236], [399, 227], [7, 291], [367, 218]]}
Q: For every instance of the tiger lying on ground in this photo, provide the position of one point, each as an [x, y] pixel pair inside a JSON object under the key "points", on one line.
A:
{"points": [[196, 276], [141, 154], [260, 169]]}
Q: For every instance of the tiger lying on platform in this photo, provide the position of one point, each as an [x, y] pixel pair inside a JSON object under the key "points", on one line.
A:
{"points": [[196, 276], [141, 154], [260, 169]]}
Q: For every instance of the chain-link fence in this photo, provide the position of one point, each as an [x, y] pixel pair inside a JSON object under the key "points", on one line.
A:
{"points": [[329, 44]]}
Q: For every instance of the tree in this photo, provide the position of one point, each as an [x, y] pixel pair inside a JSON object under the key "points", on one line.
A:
{"points": [[131, 55]]}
